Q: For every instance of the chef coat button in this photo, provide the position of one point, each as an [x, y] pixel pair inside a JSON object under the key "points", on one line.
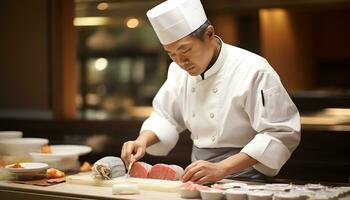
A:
{"points": [[193, 114], [193, 90], [212, 115], [215, 90], [213, 138]]}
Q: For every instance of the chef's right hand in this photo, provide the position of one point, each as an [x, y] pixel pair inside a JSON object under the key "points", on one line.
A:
{"points": [[134, 148]]}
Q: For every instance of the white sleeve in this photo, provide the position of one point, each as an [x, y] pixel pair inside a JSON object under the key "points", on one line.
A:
{"points": [[166, 119], [276, 120]]}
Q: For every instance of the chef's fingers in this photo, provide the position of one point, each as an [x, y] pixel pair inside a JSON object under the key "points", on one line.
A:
{"points": [[197, 176], [127, 151], [140, 152], [190, 167], [188, 175], [130, 151], [123, 155], [202, 180]]}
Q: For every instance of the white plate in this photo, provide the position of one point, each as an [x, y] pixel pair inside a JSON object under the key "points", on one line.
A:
{"points": [[21, 146], [62, 151], [78, 149], [54, 156], [29, 167], [10, 134]]}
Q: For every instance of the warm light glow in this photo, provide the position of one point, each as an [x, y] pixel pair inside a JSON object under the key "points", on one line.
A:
{"points": [[276, 15], [103, 6], [132, 23], [101, 64], [92, 21], [337, 111]]}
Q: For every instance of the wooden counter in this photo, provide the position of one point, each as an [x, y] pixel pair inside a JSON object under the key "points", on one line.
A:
{"points": [[9, 190]]}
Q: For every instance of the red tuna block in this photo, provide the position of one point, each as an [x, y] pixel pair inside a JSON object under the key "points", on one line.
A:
{"points": [[165, 172], [140, 170]]}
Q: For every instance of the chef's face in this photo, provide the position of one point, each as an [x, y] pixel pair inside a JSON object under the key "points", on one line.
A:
{"points": [[191, 53]]}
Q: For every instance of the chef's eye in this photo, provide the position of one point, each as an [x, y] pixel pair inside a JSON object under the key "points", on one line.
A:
{"points": [[187, 50]]}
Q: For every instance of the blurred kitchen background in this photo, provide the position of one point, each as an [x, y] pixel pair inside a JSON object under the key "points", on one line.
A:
{"points": [[86, 71]]}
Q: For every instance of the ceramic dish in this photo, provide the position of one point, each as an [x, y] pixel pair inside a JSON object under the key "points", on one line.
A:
{"points": [[79, 149], [287, 196], [28, 167], [21, 146], [234, 185], [10, 134], [62, 157], [212, 194], [236, 194], [29, 171], [260, 195], [62, 152], [189, 194]]}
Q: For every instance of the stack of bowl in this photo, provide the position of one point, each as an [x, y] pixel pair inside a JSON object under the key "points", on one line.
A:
{"points": [[14, 148]]}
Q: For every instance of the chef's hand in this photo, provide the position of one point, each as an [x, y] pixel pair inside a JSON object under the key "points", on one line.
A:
{"points": [[203, 171], [135, 148]]}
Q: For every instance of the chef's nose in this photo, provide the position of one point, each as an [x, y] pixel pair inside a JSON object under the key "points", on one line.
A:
{"points": [[182, 60]]}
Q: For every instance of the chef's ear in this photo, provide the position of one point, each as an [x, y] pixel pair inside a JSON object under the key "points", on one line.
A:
{"points": [[210, 32]]}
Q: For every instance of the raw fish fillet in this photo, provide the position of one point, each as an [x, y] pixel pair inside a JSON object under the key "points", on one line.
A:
{"points": [[140, 170], [165, 172]]}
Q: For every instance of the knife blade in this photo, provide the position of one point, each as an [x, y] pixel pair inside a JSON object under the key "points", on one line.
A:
{"points": [[130, 165]]}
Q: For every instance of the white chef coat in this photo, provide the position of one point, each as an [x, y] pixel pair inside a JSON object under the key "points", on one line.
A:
{"points": [[226, 109]]}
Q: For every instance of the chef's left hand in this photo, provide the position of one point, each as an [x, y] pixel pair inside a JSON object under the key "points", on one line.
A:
{"points": [[203, 171]]}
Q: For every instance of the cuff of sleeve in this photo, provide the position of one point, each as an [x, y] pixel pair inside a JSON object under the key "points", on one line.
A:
{"points": [[165, 131], [269, 152]]}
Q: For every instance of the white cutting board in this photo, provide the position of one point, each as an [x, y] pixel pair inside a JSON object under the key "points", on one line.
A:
{"points": [[143, 183]]}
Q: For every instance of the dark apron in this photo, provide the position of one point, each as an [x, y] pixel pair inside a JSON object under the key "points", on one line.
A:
{"points": [[219, 154]]}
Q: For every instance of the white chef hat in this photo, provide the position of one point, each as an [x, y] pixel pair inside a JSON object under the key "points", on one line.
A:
{"points": [[175, 19]]}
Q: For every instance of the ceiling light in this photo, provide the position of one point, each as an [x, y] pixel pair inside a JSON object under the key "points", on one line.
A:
{"points": [[102, 6], [101, 64], [132, 23]]}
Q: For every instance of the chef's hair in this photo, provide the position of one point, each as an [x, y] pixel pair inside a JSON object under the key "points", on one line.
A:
{"points": [[199, 32]]}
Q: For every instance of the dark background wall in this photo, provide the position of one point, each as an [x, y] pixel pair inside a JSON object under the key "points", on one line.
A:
{"points": [[24, 72]]}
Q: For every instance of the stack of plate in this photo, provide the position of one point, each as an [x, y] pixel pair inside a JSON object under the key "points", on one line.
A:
{"points": [[62, 157], [17, 149]]}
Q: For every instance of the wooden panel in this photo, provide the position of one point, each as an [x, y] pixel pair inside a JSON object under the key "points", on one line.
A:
{"points": [[63, 59], [226, 27], [286, 43], [23, 55]]}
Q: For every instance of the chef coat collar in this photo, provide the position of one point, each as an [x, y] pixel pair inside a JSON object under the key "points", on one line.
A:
{"points": [[220, 60]]}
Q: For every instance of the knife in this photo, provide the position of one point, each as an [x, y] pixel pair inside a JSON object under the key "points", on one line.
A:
{"points": [[130, 165]]}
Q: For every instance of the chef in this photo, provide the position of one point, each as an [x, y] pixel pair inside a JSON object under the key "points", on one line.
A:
{"points": [[242, 121]]}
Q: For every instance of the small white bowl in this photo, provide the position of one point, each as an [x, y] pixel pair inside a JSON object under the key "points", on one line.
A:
{"points": [[10, 134], [236, 194], [212, 194], [21, 146], [287, 196], [189, 194], [260, 195]]}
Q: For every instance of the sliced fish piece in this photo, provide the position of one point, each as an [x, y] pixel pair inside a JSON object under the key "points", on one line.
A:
{"points": [[165, 172], [140, 170]]}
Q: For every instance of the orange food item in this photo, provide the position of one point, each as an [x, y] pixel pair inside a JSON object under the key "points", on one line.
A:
{"points": [[46, 149], [2, 163], [85, 167], [17, 165], [54, 173]]}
